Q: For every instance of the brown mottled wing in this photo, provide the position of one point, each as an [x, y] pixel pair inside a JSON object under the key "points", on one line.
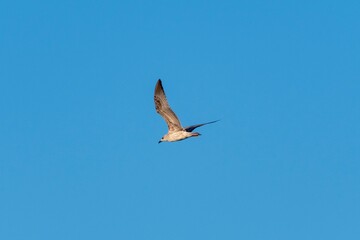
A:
{"points": [[163, 108]]}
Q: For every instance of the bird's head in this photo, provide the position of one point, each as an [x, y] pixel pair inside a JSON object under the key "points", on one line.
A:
{"points": [[163, 139]]}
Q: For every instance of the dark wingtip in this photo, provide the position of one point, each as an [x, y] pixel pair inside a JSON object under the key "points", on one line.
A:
{"points": [[159, 83], [213, 121]]}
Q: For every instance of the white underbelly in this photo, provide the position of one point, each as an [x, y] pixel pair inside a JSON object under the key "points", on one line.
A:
{"points": [[177, 136]]}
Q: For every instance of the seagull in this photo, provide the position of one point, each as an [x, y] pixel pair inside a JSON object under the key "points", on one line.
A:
{"points": [[175, 131]]}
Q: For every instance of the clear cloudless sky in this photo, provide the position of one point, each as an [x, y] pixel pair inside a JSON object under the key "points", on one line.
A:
{"points": [[79, 152]]}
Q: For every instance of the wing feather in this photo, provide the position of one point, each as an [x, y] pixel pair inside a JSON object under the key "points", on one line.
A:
{"points": [[163, 108], [191, 128]]}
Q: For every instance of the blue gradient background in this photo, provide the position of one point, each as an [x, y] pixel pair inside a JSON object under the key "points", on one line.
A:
{"points": [[79, 157]]}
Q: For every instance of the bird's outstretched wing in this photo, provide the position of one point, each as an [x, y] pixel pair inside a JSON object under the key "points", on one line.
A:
{"points": [[191, 128], [162, 107]]}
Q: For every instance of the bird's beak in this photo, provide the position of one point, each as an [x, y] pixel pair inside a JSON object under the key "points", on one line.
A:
{"points": [[159, 142]]}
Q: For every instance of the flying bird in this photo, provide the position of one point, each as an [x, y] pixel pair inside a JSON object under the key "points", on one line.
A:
{"points": [[175, 131]]}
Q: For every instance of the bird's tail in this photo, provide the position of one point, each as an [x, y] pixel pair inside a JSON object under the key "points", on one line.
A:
{"points": [[195, 134]]}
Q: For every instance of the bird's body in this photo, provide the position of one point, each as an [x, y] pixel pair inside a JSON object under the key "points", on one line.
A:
{"points": [[175, 131], [178, 135]]}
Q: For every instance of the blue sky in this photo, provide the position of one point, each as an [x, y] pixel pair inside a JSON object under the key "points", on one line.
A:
{"points": [[79, 157]]}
